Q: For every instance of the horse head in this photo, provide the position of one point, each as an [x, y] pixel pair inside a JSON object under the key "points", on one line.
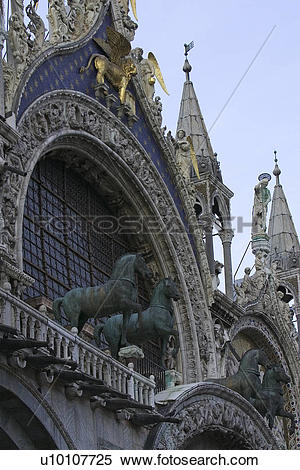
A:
{"points": [[262, 358], [253, 357], [141, 267], [171, 289], [275, 373]]}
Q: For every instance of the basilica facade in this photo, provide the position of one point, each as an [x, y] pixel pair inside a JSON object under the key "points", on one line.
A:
{"points": [[90, 180]]}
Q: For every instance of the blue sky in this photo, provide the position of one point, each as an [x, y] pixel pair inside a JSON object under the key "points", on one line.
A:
{"points": [[263, 113]]}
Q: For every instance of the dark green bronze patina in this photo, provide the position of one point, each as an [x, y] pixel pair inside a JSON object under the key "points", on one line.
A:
{"points": [[156, 322], [119, 294], [247, 379], [270, 402]]}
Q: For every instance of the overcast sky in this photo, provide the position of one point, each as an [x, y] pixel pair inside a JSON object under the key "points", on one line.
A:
{"points": [[263, 113]]}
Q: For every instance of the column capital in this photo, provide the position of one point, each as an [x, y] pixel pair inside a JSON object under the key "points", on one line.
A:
{"points": [[226, 235]]}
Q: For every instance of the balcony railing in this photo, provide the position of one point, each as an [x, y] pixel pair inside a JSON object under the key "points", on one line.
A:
{"points": [[33, 324]]}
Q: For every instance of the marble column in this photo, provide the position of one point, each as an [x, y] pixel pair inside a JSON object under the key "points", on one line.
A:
{"points": [[226, 236], [209, 246]]}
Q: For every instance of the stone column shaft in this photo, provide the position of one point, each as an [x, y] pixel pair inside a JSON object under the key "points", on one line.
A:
{"points": [[209, 245], [226, 237]]}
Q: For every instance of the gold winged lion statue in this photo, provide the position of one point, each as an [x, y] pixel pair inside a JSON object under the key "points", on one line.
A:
{"points": [[117, 68]]}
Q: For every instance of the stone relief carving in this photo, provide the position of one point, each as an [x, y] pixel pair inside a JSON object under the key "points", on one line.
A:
{"points": [[58, 21], [212, 413], [68, 111], [18, 43], [75, 18]]}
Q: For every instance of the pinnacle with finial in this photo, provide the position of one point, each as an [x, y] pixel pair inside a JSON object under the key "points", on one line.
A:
{"points": [[187, 66], [276, 171]]}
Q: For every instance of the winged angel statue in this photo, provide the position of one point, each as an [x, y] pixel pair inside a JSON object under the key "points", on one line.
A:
{"points": [[118, 69], [148, 70]]}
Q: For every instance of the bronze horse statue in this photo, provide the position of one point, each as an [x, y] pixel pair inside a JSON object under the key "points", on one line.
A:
{"points": [[247, 379], [156, 322], [269, 402], [118, 294]]}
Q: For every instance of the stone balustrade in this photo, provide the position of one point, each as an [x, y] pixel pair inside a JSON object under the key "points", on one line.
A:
{"points": [[91, 360]]}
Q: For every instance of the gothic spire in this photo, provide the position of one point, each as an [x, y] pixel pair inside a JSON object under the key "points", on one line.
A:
{"points": [[190, 117], [283, 236]]}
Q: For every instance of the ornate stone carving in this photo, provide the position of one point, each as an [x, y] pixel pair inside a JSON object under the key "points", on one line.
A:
{"points": [[213, 409], [37, 27], [92, 8], [58, 21], [75, 18], [18, 43]]}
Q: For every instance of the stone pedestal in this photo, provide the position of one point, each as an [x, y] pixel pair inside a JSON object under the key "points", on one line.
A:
{"points": [[173, 378], [260, 243], [130, 354]]}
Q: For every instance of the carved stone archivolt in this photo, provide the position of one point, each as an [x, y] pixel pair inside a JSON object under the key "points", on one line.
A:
{"points": [[55, 120], [206, 408]]}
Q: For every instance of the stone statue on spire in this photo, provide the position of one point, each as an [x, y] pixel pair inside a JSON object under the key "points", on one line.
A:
{"points": [[262, 197]]}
